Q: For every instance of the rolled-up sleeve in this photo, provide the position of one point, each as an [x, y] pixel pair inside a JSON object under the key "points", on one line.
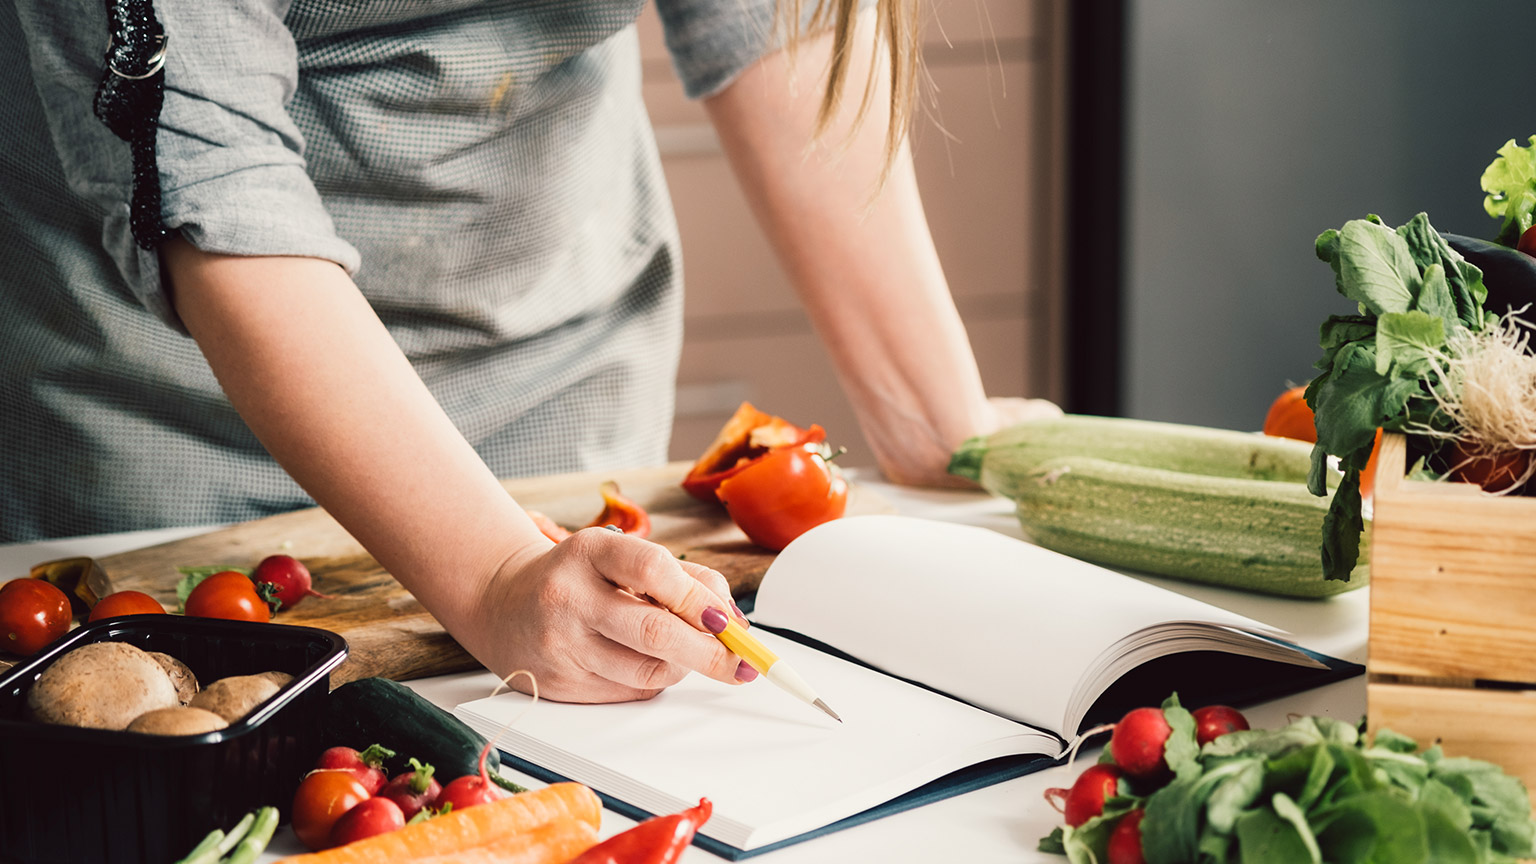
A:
{"points": [[230, 158], [713, 41]]}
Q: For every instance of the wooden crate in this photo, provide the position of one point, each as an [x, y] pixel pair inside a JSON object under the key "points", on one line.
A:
{"points": [[1453, 616]]}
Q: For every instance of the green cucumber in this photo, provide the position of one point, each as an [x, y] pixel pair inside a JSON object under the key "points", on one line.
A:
{"points": [[380, 711], [994, 460]]}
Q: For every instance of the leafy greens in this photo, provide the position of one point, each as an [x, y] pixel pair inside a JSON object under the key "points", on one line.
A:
{"points": [[1510, 182], [1415, 294], [1315, 791]]}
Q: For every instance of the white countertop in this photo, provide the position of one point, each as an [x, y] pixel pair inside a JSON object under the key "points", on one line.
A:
{"points": [[1001, 823]]}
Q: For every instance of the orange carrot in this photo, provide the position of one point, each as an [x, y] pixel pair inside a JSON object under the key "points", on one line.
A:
{"points": [[466, 829], [554, 843]]}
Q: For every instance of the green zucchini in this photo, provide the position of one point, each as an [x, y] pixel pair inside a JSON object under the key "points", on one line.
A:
{"points": [[1171, 446], [380, 711], [1202, 505]]}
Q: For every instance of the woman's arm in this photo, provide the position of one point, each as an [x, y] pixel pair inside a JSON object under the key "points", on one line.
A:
{"points": [[317, 377], [863, 264]]}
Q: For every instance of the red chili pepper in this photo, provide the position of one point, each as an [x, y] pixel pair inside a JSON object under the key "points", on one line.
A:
{"points": [[622, 513], [659, 840]]}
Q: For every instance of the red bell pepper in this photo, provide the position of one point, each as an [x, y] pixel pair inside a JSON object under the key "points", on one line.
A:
{"points": [[658, 840], [745, 438], [622, 513]]}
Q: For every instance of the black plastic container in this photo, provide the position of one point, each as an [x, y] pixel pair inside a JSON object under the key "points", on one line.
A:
{"points": [[92, 795]]}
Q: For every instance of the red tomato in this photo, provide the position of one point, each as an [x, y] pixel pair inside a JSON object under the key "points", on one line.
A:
{"points": [[1125, 841], [784, 494], [323, 798], [1527, 241], [126, 603], [367, 819], [33, 613], [230, 595], [1214, 721]]}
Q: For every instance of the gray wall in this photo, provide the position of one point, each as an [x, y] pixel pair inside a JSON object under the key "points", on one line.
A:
{"points": [[1255, 124]]}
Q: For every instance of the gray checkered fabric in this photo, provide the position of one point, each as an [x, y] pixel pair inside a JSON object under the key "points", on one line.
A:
{"points": [[483, 168]]}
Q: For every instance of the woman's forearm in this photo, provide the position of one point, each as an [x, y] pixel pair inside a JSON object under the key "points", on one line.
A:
{"points": [[315, 375], [863, 264]]}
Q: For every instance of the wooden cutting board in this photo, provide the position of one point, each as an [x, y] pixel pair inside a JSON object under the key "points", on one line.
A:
{"points": [[388, 633]]}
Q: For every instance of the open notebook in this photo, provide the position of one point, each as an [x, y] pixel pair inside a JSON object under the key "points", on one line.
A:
{"points": [[1016, 649]]}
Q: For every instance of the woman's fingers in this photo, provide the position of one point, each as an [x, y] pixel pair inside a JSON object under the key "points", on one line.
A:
{"points": [[659, 646], [648, 569]]}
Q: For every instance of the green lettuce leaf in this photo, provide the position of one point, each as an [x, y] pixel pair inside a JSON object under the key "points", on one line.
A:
{"points": [[1510, 181]]}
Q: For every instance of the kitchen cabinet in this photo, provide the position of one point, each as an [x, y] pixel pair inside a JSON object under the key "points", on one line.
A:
{"points": [[987, 146]]}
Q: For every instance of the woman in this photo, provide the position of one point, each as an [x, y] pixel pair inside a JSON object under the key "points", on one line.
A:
{"points": [[424, 244]]}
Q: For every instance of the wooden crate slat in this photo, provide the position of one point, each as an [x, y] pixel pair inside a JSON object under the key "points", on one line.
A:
{"points": [[1453, 578], [1495, 725]]}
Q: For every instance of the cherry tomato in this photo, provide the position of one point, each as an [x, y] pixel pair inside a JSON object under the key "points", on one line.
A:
{"points": [[323, 798], [784, 494], [367, 819], [230, 595], [126, 603], [33, 613], [1214, 721]]}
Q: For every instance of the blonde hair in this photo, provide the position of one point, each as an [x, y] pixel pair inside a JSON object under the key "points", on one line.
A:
{"points": [[897, 30]]}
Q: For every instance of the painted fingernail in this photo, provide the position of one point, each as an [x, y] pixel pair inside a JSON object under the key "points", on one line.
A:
{"points": [[714, 620], [739, 614], [745, 672]]}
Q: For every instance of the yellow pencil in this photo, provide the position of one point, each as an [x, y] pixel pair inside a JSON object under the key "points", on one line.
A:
{"points": [[744, 645]]}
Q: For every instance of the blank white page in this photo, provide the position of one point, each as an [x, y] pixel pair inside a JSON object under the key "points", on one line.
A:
{"points": [[773, 766], [995, 621]]}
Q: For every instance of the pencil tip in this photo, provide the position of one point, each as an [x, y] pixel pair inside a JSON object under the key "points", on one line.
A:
{"points": [[830, 713]]}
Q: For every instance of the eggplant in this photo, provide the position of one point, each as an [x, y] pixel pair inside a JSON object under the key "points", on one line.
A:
{"points": [[1509, 275]]}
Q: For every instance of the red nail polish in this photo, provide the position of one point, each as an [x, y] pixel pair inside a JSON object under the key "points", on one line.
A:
{"points": [[745, 672]]}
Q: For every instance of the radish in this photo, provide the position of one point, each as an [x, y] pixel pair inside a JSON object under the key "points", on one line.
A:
{"points": [[1086, 798], [289, 578], [365, 766], [1214, 721], [1125, 840], [1137, 743], [413, 790], [472, 789], [367, 819]]}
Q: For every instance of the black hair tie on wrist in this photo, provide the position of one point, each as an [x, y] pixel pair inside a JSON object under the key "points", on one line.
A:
{"points": [[128, 101]]}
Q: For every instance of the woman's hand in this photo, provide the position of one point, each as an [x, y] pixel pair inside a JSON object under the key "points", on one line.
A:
{"points": [[601, 617], [918, 454]]}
